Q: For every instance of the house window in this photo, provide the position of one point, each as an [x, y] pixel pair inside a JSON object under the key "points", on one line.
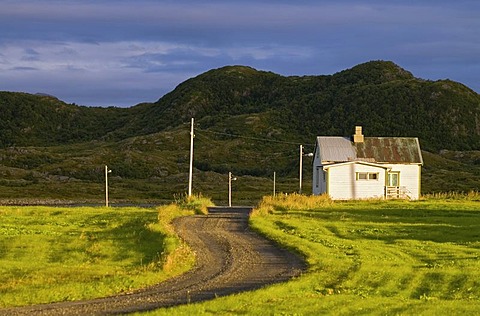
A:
{"points": [[362, 175], [317, 178], [367, 176], [393, 179]]}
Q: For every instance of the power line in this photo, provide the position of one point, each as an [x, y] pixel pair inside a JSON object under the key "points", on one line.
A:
{"points": [[272, 155], [252, 138]]}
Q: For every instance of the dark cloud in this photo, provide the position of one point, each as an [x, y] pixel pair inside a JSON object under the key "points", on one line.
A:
{"points": [[124, 45], [23, 68]]}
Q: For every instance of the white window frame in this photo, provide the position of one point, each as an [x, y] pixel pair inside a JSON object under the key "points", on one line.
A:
{"points": [[367, 176], [389, 179]]}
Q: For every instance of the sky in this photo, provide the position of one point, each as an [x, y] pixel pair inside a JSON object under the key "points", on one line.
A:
{"points": [[124, 52]]}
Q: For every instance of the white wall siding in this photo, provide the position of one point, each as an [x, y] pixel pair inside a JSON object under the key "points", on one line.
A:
{"points": [[409, 178], [319, 176], [319, 184], [343, 185]]}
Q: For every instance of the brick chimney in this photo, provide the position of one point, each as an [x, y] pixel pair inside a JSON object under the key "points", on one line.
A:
{"points": [[358, 136]]}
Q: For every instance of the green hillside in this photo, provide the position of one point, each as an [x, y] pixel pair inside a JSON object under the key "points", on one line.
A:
{"points": [[248, 122], [38, 120], [384, 98]]}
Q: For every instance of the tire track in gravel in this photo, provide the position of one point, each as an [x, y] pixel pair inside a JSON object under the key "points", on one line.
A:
{"points": [[230, 259]]}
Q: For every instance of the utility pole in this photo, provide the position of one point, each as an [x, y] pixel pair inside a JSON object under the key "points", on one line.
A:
{"points": [[107, 171], [230, 178], [190, 175], [274, 181], [301, 167]]}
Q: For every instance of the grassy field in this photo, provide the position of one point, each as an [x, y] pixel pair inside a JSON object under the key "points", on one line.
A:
{"points": [[52, 254], [369, 257]]}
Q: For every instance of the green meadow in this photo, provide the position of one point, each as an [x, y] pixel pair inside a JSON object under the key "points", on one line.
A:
{"points": [[50, 254], [366, 257]]}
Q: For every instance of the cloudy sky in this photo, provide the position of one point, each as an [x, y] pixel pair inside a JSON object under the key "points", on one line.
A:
{"points": [[123, 52]]}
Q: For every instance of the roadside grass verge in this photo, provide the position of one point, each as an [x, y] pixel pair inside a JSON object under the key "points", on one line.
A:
{"points": [[197, 203], [50, 254], [366, 257]]}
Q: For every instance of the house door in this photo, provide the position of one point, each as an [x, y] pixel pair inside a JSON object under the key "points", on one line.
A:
{"points": [[393, 179]]}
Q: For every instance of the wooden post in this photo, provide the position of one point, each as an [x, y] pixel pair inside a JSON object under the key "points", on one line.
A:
{"points": [[190, 174]]}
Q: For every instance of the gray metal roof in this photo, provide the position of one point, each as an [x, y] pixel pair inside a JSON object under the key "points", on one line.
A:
{"points": [[372, 149], [335, 149]]}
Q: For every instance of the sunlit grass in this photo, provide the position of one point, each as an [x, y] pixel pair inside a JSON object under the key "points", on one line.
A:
{"points": [[370, 257], [52, 254], [196, 202], [285, 202], [470, 196]]}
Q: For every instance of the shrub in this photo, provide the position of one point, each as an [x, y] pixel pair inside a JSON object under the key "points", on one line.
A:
{"points": [[284, 202], [198, 203], [470, 196]]}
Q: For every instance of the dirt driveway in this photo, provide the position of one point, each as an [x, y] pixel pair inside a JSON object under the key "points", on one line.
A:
{"points": [[230, 259]]}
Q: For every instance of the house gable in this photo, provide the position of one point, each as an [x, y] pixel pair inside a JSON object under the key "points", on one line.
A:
{"points": [[364, 163]]}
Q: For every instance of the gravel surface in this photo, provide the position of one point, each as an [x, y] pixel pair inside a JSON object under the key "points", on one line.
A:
{"points": [[230, 259]]}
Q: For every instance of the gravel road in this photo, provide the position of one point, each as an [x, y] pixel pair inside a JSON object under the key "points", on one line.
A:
{"points": [[230, 259]]}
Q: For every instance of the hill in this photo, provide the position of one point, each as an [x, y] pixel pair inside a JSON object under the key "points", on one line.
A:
{"points": [[247, 121], [384, 98], [42, 120]]}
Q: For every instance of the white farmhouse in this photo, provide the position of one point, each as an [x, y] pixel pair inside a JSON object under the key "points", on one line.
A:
{"points": [[367, 167]]}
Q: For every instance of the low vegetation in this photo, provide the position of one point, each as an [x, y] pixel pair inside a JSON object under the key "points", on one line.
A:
{"points": [[367, 257], [197, 203], [247, 122], [50, 254]]}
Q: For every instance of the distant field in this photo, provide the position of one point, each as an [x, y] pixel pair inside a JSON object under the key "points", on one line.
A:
{"points": [[52, 254], [373, 257]]}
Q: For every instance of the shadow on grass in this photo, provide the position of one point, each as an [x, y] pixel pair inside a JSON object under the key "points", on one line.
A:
{"points": [[442, 226], [131, 237]]}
